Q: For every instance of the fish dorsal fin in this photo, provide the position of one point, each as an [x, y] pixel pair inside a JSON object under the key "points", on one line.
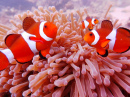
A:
{"points": [[10, 39], [88, 18], [107, 24], [124, 31], [27, 23]]}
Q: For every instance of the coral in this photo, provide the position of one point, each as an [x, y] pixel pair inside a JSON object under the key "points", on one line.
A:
{"points": [[72, 69]]}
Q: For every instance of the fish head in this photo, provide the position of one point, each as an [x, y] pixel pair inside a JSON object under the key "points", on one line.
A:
{"points": [[96, 21], [92, 37], [48, 30], [89, 37]]}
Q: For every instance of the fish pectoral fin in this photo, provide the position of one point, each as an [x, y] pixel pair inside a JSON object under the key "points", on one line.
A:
{"points": [[11, 38], [104, 43], [102, 52], [43, 53], [90, 28], [35, 39]]}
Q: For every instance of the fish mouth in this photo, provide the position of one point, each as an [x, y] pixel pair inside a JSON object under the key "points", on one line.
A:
{"points": [[85, 39]]}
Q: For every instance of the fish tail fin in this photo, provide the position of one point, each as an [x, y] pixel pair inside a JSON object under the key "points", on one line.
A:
{"points": [[124, 31], [4, 62]]}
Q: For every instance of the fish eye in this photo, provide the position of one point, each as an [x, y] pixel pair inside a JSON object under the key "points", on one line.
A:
{"points": [[45, 26], [95, 20], [91, 34]]}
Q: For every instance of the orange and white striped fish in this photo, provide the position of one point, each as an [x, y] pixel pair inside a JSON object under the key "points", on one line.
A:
{"points": [[36, 37], [89, 23], [108, 37]]}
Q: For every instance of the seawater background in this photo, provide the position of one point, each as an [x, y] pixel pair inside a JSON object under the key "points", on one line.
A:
{"points": [[120, 8]]}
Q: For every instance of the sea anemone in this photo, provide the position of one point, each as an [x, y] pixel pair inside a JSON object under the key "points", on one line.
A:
{"points": [[72, 67]]}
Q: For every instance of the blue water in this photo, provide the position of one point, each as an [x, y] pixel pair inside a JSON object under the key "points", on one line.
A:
{"points": [[8, 8]]}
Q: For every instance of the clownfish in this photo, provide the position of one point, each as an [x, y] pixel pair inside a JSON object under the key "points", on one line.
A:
{"points": [[37, 37], [107, 37], [89, 23]]}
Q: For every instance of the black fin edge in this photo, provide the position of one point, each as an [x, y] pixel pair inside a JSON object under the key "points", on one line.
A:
{"points": [[23, 62], [7, 37], [41, 56], [124, 29], [105, 55], [90, 29], [125, 50]]}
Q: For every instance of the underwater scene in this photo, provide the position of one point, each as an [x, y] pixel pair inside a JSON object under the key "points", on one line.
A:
{"points": [[64, 48]]}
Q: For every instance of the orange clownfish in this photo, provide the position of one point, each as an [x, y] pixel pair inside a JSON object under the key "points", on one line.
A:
{"points": [[107, 37], [89, 23], [36, 37]]}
